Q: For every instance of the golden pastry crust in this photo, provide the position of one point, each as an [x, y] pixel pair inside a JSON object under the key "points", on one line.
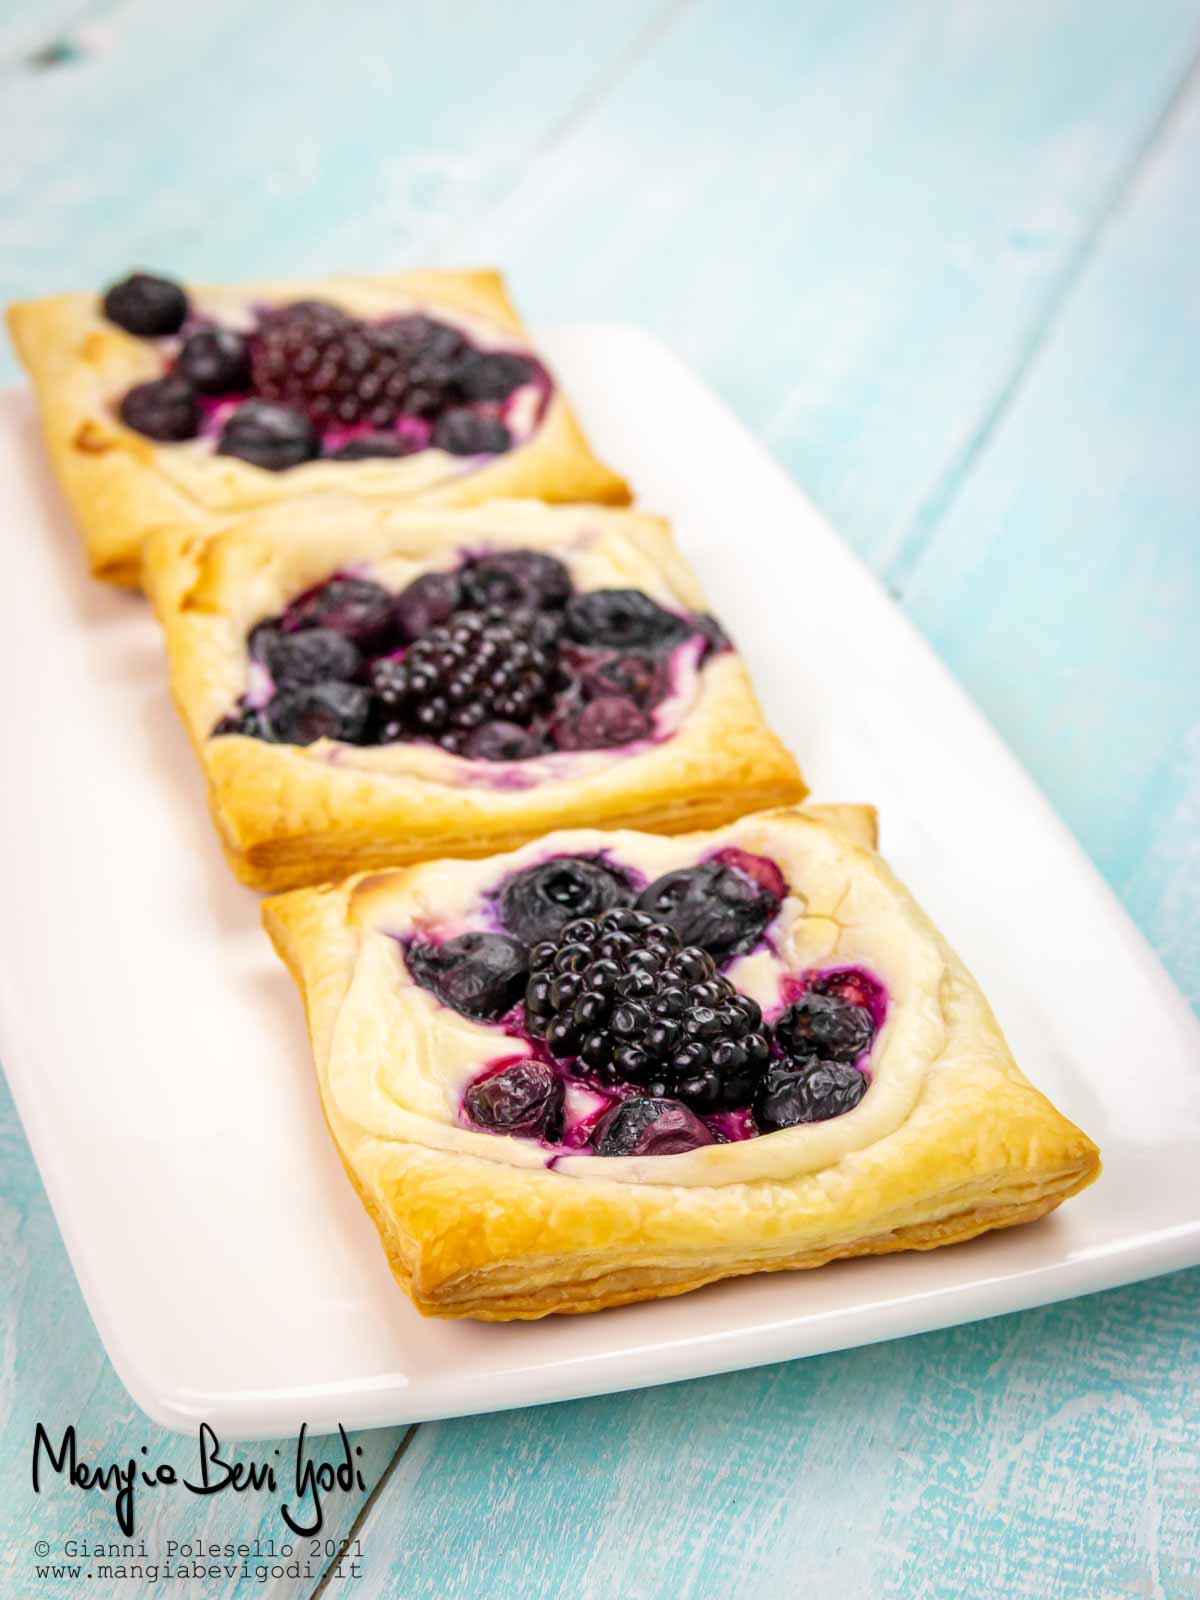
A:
{"points": [[478, 1225], [121, 486], [289, 815]]}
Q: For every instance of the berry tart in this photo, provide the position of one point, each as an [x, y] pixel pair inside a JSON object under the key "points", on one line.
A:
{"points": [[169, 404], [611, 1067], [368, 686]]}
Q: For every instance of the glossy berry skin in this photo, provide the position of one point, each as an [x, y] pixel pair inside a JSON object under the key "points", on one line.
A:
{"points": [[269, 436], [215, 361], [479, 975], [479, 667], [319, 711], [317, 655], [339, 371], [501, 741], [487, 375], [795, 1092], [497, 682], [427, 602], [164, 409], [147, 306], [825, 1025], [716, 907], [357, 607], [463, 432], [622, 619], [617, 994], [528, 580], [524, 1099], [374, 447], [651, 1126], [604, 724], [536, 903]]}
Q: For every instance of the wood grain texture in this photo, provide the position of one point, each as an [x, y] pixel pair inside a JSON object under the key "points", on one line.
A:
{"points": [[53, 1370], [941, 254]]}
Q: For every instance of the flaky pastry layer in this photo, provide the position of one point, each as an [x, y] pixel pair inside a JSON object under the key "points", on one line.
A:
{"points": [[289, 815], [479, 1225], [121, 486]]}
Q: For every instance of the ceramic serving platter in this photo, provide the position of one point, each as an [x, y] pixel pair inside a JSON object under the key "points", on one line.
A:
{"points": [[158, 1055]]}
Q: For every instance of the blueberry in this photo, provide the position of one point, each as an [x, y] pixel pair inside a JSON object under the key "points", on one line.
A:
{"points": [[604, 724], [526, 1099], [318, 655], [479, 975], [269, 436], [147, 306], [491, 375], [712, 906], [637, 676], [358, 607], [463, 432], [794, 1092], [622, 619], [652, 1126], [163, 409], [502, 741], [216, 361], [827, 1026], [246, 720], [527, 579], [374, 447], [427, 602], [540, 900], [319, 711]]}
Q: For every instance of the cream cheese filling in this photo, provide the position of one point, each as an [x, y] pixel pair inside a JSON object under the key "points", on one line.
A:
{"points": [[225, 483], [399, 1061]]}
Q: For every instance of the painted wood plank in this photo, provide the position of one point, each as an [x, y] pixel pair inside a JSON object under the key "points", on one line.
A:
{"points": [[1063, 584], [53, 1370], [1044, 1456], [853, 219], [809, 1470], [229, 140]]}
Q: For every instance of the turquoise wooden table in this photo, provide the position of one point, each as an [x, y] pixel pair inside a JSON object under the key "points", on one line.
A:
{"points": [[942, 258]]}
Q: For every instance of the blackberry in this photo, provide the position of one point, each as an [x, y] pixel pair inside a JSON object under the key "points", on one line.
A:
{"points": [[164, 409], [216, 361], [537, 902], [479, 975], [648, 1126], [825, 1025], [147, 306], [794, 1092], [618, 994], [722, 910], [524, 1098], [478, 667], [340, 371]]}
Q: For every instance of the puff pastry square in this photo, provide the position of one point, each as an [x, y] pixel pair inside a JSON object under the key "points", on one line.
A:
{"points": [[942, 1139], [122, 484], [296, 813]]}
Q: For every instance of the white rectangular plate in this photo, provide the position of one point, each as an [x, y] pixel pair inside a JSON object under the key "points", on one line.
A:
{"points": [[159, 1059]]}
